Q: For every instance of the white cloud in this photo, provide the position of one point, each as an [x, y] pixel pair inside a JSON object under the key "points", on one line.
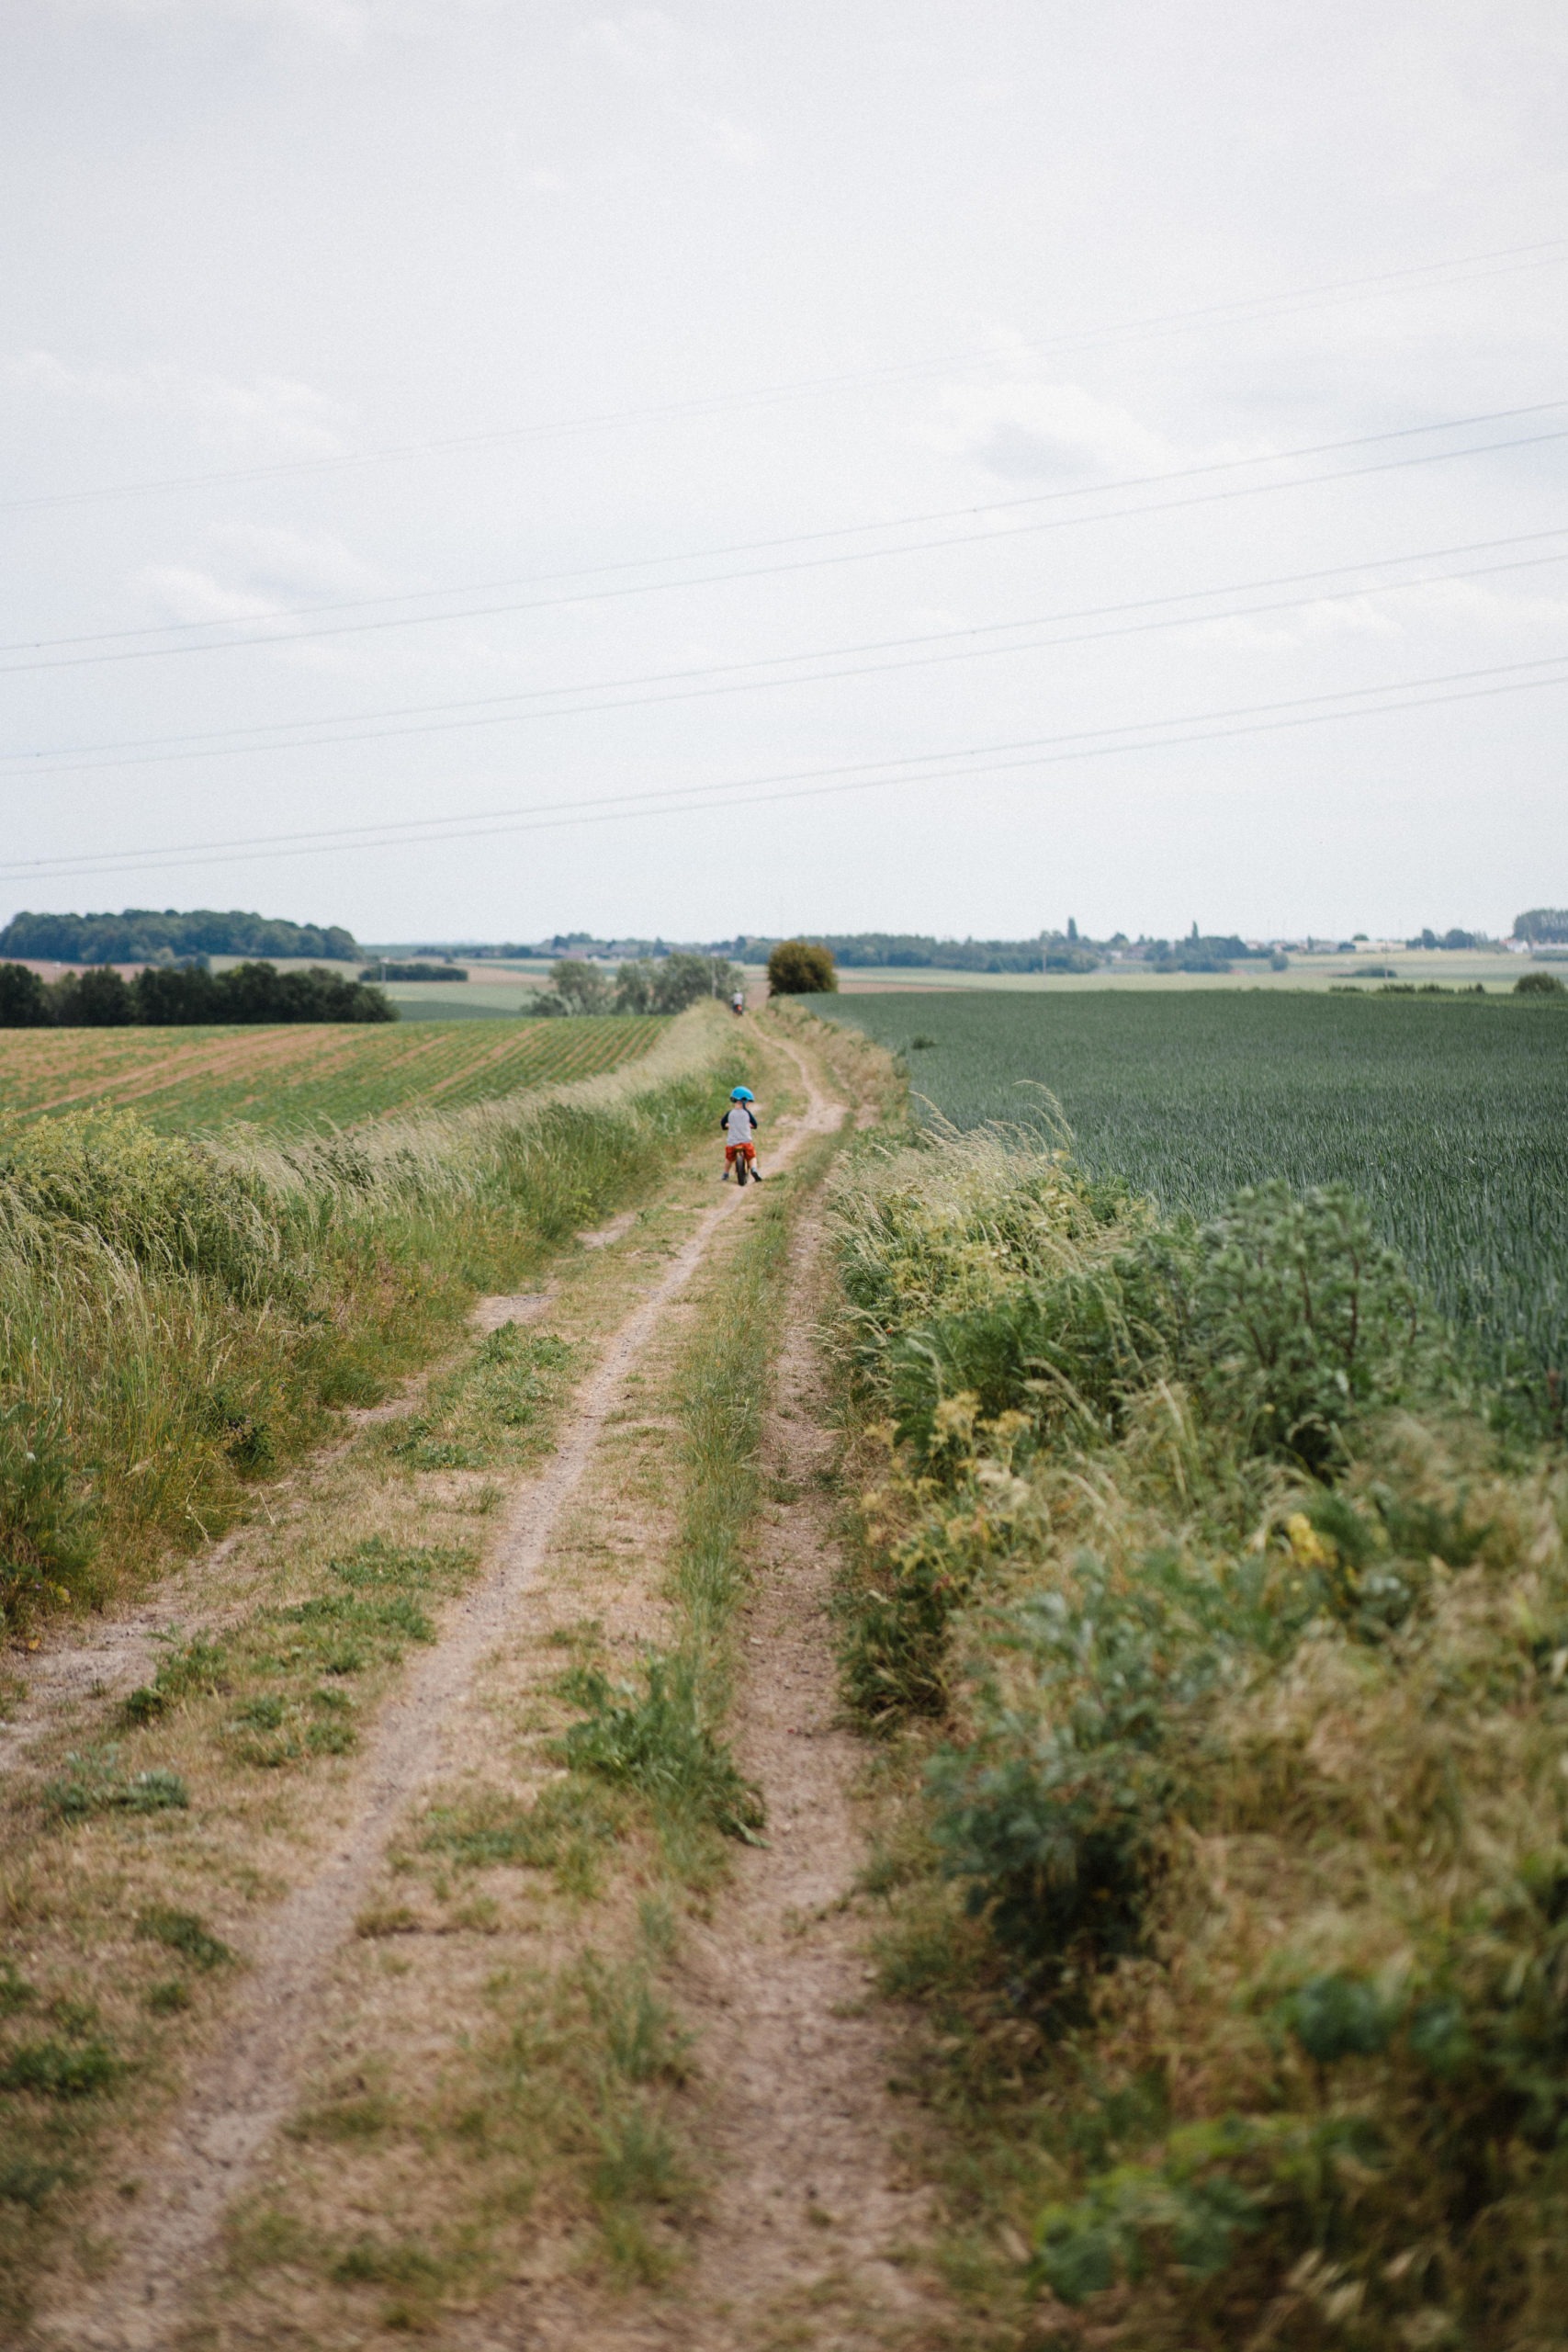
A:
{"points": [[342, 23], [649, 47], [254, 573], [1023, 431], [274, 415]]}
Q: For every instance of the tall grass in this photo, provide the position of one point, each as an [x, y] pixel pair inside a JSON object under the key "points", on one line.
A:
{"points": [[1226, 1653], [177, 1314]]}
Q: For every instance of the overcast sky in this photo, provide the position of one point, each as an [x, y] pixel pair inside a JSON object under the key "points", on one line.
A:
{"points": [[838, 458]]}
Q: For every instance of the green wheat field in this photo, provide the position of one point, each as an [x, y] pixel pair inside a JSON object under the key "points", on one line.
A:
{"points": [[1448, 1115]]}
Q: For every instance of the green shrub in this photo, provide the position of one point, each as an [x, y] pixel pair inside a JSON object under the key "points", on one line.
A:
{"points": [[1538, 984], [1302, 1318], [581, 986], [1256, 1695], [1052, 1815], [800, 967]]}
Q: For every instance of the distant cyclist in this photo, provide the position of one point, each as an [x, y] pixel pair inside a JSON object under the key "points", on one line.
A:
{"points": [[737, 1002], [738, 1127]]}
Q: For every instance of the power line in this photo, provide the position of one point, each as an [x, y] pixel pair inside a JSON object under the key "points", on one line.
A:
{"points": [[861, 555], [806, 784], [792, 539], [1461, 269], [364, 727]]}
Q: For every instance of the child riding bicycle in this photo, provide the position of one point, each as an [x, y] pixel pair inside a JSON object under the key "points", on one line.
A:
{"points": [[738, 1127]]}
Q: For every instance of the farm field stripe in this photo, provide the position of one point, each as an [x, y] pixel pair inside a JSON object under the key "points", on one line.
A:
{"points": [[288, 1075]]}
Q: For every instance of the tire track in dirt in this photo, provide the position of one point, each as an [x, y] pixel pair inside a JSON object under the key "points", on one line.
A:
{"points": [[248, 2088], [810, 2227]]}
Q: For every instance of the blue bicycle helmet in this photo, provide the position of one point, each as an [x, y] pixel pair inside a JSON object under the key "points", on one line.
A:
{"points": [[742, 1094]]}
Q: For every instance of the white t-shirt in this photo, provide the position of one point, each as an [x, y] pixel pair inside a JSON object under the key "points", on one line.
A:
{"points": [[739, 1123]]}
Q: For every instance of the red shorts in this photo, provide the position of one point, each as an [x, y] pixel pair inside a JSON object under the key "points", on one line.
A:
{"points": [[730, 1149]]}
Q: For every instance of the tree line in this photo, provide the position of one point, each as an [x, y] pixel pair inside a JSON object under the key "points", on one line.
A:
{"points": [[145, 935], [642, 986], [172, 996]]}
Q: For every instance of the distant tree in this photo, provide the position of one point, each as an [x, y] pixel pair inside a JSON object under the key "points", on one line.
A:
{"points": [[259, 991], [166, 995], [95, 998], [141, 932], [1455, 940], [382, 970], [581, 985], [1538, 984], [636, 985], [683, 979], [1548, 925], [799, 968], [24, 999]]}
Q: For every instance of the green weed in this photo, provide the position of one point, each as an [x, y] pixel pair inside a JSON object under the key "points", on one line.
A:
{"points": [[183, 1932], [94, 1783]]}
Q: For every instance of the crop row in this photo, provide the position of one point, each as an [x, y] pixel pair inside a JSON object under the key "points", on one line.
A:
{"points": [[305, 1077]]}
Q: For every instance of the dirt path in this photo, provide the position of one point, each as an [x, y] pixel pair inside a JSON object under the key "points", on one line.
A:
{"points": [[809, 2207], [250, 2085], [811, 2233]]}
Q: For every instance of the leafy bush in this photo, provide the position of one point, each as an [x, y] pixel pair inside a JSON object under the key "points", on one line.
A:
{"points": [[1302, 1318], [799, 968], [673, 981], [1052, 1814], [1538, 984]]}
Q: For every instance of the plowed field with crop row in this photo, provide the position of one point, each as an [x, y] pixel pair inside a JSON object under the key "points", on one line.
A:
{"points": [[305, 1076]]}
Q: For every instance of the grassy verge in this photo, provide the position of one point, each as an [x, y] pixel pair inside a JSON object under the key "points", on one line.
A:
{"points": [[178, 1316], [1215, 1650]]}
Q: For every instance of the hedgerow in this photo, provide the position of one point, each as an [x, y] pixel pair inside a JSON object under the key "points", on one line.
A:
{"points": [[1228, 1647]]}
